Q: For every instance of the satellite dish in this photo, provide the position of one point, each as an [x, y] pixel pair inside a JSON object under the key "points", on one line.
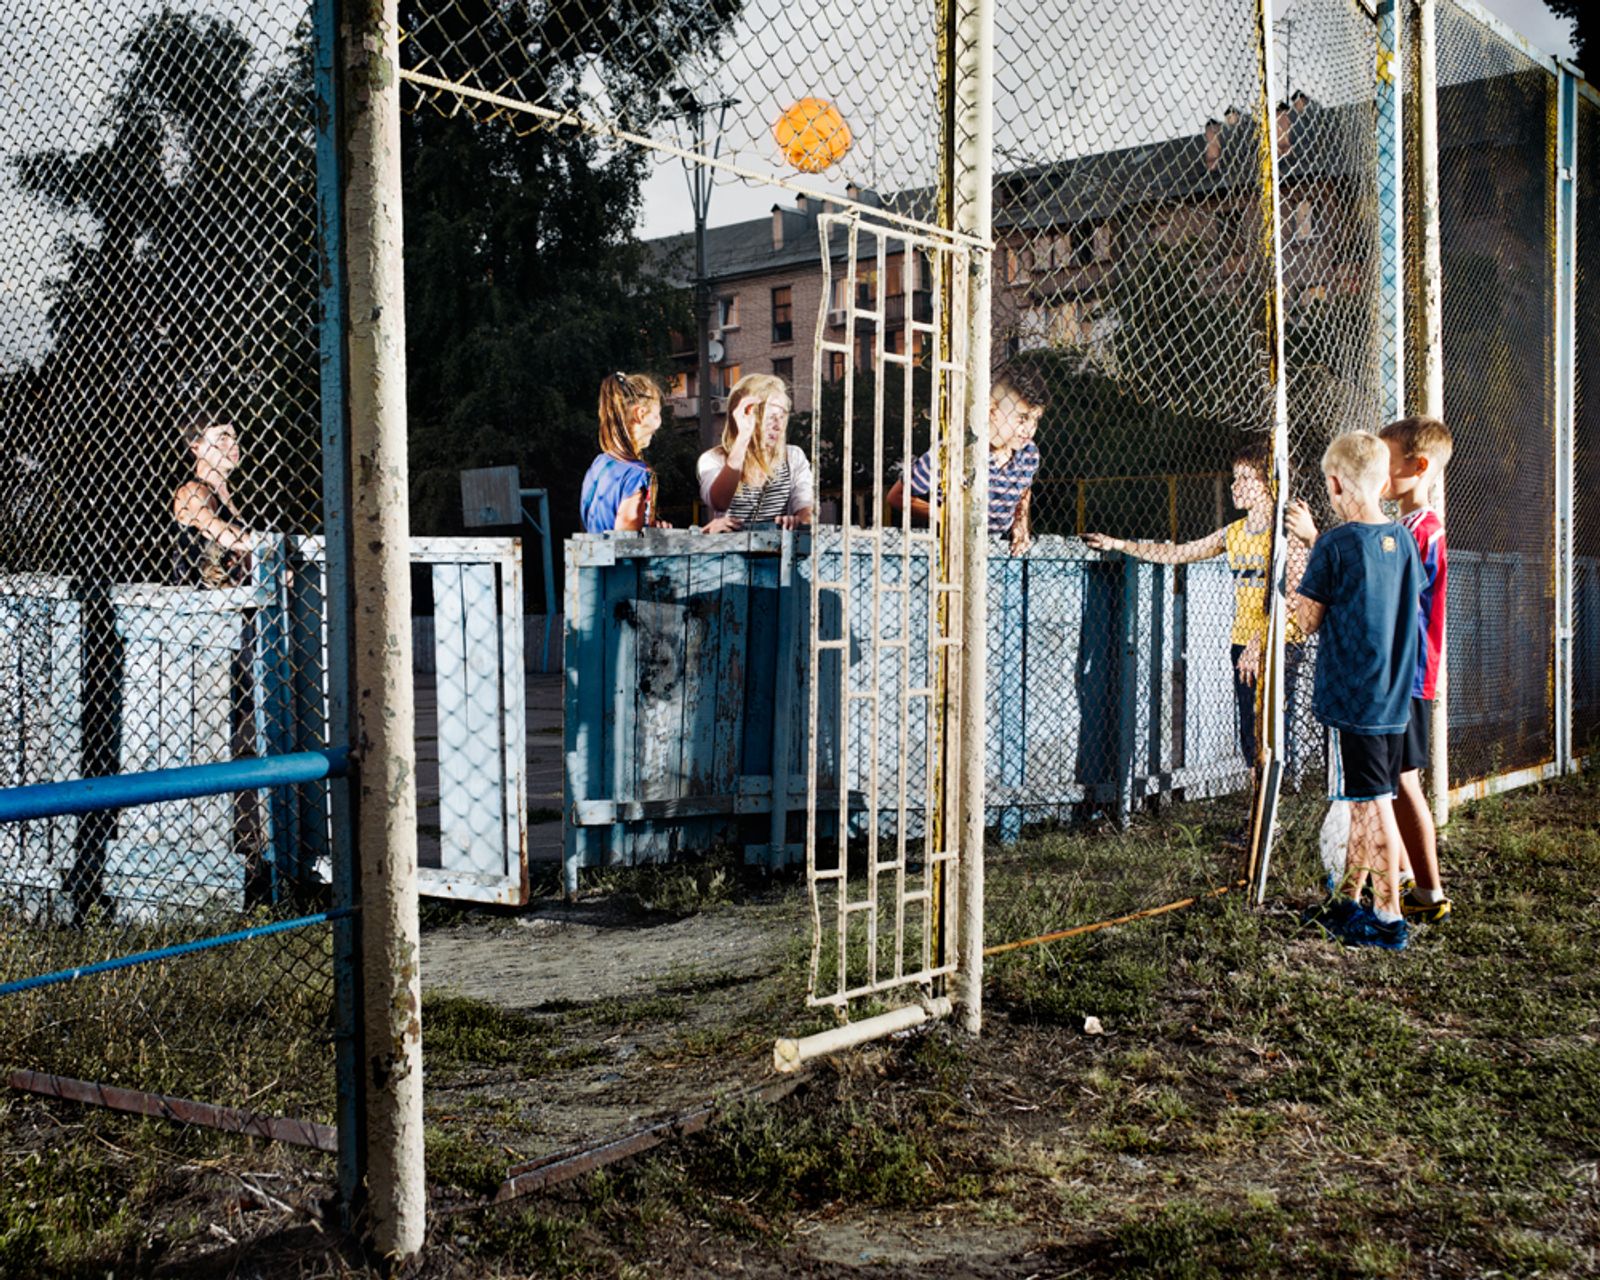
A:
{"points": [[715, 351]]}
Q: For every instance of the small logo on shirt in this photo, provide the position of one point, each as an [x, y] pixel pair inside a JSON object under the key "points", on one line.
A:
{"points": [[1388, 542]]}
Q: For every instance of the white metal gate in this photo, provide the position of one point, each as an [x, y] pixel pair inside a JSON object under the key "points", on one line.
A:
{"points": [[882, 828]]}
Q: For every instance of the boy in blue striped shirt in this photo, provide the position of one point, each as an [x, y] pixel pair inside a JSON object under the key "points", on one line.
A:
{"points": [[1018, 397]]}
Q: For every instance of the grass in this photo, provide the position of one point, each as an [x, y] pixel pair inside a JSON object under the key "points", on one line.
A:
{"points": [[1262, 1104]]}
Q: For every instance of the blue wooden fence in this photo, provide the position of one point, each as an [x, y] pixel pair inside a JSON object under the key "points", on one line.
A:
{"points": [[687, 690]]}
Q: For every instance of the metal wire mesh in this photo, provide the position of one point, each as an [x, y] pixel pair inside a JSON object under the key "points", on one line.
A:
{"points": [[1497, 223], [1586, 439], [1133, 276], [772, 92], [1333, 327], [160, 447]]}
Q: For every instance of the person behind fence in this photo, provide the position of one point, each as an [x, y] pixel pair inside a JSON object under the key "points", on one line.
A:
{"points": [[1018, 397], [213, 547], [619, 491], [1419, 450], [1360, 593], [214, 551], [755, 474], [1247, 543]]}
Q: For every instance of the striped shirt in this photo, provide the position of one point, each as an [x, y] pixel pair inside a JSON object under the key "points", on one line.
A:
{"points": [[787, 492], [1007, 484], [1426, 528]]}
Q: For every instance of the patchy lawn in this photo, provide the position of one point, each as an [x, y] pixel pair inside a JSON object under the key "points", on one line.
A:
{"points": [[1260, 1104]]}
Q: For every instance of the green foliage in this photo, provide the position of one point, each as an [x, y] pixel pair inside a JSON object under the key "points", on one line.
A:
{"points": [[193, 282], [524, 283]]}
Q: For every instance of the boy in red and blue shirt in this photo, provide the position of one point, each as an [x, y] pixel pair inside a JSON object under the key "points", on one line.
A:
{"points": [[1419, 450]]}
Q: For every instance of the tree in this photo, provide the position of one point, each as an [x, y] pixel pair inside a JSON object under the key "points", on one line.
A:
{"points": [[524, 282], [196, 283], [1585, 19]]}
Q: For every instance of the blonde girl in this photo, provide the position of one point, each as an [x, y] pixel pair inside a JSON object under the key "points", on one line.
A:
{"points": [[755, 473], [619, 491]]}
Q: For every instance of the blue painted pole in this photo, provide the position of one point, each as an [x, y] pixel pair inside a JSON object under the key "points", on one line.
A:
{"points": [[125, 790], [337, 600], [1391, 213], [168, 953]]}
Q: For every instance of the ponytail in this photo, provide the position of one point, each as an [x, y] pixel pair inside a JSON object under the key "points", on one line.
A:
{"points": [[619, 394]]}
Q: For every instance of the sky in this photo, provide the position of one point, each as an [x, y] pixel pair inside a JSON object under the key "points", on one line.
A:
{"points": [[666, 208], [1116, 83]]}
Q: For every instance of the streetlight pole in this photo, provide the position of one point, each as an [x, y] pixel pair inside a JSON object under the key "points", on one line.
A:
{"points": [[700, 189]]}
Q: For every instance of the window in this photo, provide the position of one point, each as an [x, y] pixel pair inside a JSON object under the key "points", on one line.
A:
{"points": [[725, 376], [839, 295], [728, 312], [783, 314], [1091, 243], [919, 347], [680, 385], [896, 276], [835, 366], [784, 369], [894, 342], [867, 288]]}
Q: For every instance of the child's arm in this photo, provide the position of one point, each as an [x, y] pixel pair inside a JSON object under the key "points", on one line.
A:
{"points": [[630, 511], [896, 498], [195, 505], [1021, 536], [726, 482], [1309, 614], [1213, 544]]}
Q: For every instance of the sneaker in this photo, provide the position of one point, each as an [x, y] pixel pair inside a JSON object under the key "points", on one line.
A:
{"points": [[1407, 884], [1415, 909], [1335, 914], [1391, 935]]}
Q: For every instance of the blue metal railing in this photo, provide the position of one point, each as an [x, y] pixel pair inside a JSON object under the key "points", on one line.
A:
{"points": [[124, 790]]}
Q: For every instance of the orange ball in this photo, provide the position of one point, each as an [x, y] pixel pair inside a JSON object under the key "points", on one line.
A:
{"points": [[812, 135]]}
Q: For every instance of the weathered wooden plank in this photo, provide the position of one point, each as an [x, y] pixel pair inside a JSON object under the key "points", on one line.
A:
{"points": [[513, 687], [702, 625], [733, 657], [621, 678], [472, 833]]}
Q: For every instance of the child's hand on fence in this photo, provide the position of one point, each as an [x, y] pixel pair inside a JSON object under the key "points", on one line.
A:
{"points": [[1020, 541], [1298, 522], [722, 524], [1250, 662], [1101, 542]]}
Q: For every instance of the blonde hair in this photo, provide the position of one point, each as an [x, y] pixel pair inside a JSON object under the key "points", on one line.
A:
{"points": [[620, 394], [761, 459], [1360, 460], [1422, 437]]}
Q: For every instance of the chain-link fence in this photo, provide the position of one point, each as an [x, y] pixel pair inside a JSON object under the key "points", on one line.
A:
{"points": [[1586, 440], [160, 459], [1497, 183], [1170, 196]]}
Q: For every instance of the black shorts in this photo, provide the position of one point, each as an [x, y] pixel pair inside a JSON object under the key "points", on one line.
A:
{"points": [[1415, 755], [1369, 765]]}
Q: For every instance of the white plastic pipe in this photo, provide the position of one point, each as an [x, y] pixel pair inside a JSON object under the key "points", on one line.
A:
{"points": [[1433, 357], [974, 216], [791, 1055]]}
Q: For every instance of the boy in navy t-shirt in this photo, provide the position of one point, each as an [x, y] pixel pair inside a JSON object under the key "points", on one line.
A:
{"points": [[1360, 592]]}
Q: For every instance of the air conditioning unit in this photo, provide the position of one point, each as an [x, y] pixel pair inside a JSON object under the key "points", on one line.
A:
{"points": [[719, 404], [838, 316]]}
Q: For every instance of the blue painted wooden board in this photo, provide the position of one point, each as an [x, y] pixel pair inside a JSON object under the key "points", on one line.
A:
{"points": [[41, 666], [689, 697]]}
